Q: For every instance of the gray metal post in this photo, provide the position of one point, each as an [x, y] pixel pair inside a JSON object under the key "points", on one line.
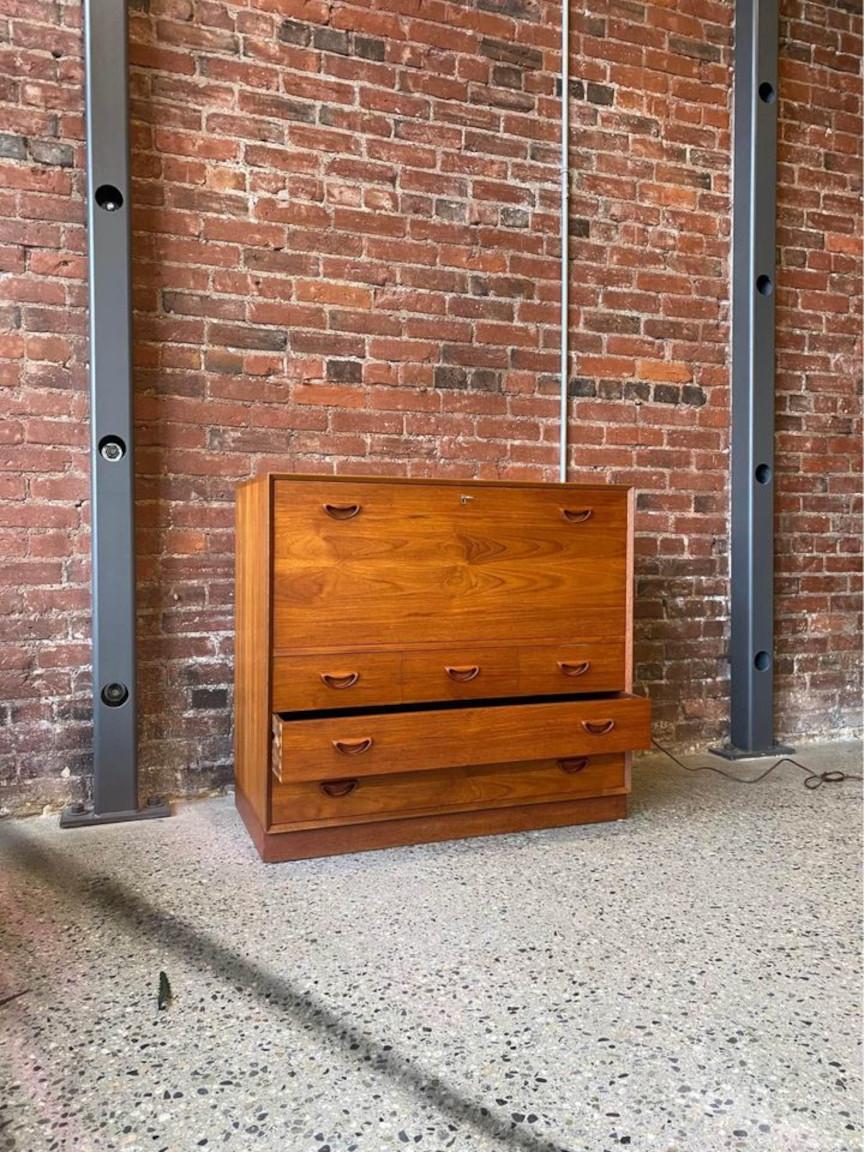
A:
{"points": [[115, 778], [753, 285]]}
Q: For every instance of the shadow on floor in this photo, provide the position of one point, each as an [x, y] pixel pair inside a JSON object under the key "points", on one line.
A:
{"points": [[277, 992]]}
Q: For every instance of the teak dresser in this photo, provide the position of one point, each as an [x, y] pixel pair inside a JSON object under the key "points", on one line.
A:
{"points": [[422, 660]]}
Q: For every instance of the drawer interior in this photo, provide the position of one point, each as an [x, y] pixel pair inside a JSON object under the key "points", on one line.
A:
{"points": [[301, 717]]}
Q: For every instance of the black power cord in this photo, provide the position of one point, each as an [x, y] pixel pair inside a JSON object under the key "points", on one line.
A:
{"points": [[812, 780]]}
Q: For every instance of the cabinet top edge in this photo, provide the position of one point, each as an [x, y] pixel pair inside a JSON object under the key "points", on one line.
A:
{"points": [[270, 477]]}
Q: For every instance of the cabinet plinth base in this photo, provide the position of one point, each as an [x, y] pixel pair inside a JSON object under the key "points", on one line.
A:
{"points": [[278, 846]]}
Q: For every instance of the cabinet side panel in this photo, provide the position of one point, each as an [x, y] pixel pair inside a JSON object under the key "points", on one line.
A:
{"points": [[628, 616], [252, 646]]}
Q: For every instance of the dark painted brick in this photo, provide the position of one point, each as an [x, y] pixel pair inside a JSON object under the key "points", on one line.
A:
{"points": [[599, 93], [515, 218], [692, 394], [486, 380], [696, 48], [621, 322], [237, 336], [453, 210], [637, 390], [707, 503], [518, 9], [210, 698], [580, 387], [593, 26], [508, 53], [331, 40], [577, 89], [369, 48], [345, 371], [667, 394], [506, 76], [451, 378], [292, 32], [611, 389], [13, 147], [50, 152]]}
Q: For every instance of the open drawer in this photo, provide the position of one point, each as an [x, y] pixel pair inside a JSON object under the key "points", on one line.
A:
{"points": [[411, 739]]}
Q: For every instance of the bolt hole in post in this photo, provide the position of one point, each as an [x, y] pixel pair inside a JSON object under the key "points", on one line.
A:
{"points": [[114, 695], [109, 198], [767, 92], [763, 474], [762, 661], [112, 449], [764, 285]]}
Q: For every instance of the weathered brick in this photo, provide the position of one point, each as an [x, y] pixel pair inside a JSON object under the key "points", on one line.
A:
{"points": [[511, 53], [451, 378], [369, 48], [294, 32], [12, 147], [239, 336], [331, 40], [599, 93], [210, 699], [345, 371]]}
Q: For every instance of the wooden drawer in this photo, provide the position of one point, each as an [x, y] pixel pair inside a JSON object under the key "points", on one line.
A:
{"points": [[353, 800], [562, 669], [400, 565], [424, 739], [460, 674], [336, 680]]}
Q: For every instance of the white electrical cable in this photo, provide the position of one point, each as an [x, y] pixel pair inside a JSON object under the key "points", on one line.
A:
{"points": [[565, 232]]}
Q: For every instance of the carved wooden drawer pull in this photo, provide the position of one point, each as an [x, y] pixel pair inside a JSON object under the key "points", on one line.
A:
{"points": [[574, 669], [340, 679], [463, 673], [342, 511], [353, 747], [573, 765], [598, 727], [338, 787], [577, 515]]}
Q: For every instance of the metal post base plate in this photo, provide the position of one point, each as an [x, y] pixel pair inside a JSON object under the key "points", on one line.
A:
{"points": [[730, 752], [77, 816]]}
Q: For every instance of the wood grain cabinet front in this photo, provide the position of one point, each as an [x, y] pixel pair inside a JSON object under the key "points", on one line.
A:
{"points": [[554, 669], [303, 804], [466, 673], [335, 680], [437, 564], [377, 743], [418, 660]]}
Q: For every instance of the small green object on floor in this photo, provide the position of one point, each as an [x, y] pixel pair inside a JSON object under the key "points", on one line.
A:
{"points": [[165, 993]]}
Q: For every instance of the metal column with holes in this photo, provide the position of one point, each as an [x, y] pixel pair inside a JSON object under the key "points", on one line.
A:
{"points": [[115, 776], [753, 282]]}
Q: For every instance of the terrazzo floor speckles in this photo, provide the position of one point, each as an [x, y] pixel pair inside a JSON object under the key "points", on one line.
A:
{"points": [[684, 981]]}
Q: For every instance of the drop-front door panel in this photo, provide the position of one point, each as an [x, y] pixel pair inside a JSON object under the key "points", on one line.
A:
{"points": [[368, 563]]}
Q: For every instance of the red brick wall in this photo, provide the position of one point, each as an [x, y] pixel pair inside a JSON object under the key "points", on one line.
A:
{"points": [[819, 356], [346, 219]]}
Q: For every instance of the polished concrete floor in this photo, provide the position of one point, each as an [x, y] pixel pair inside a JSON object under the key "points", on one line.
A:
{"points": [[684, 981]]}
